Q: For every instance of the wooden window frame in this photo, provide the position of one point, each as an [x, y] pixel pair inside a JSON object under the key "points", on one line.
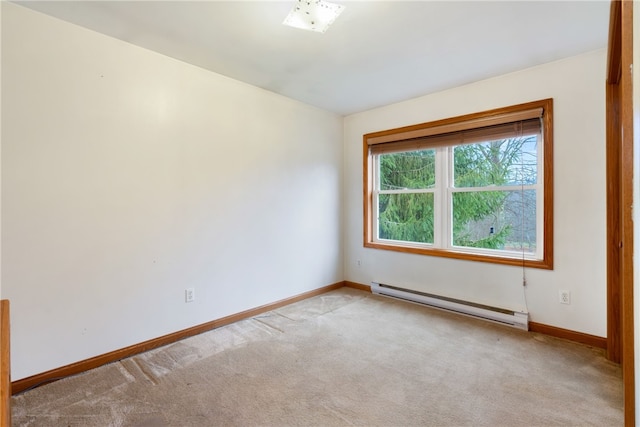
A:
{"points": [[466, 122]]}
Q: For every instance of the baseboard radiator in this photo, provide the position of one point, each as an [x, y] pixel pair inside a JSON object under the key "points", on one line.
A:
{"points": [[512, 318]]}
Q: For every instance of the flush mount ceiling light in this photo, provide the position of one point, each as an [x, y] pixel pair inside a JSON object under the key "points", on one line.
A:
{"points": [[313, 15]]}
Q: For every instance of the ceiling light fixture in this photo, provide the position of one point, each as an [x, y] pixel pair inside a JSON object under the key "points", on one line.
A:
{"points": [[313, 15]]}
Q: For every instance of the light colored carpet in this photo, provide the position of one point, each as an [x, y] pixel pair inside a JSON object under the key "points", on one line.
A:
{"points": [[340, 359]]}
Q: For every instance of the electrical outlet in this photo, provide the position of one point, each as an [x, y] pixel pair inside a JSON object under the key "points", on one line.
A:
{"points": [[359, 263], [189, 295], [565, 297]]}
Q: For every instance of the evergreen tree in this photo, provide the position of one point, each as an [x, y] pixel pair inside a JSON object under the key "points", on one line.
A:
{"points": [[479, 217], [407, 217]]}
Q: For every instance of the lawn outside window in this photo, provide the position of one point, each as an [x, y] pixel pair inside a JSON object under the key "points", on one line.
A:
{"points": [[476, 187]]}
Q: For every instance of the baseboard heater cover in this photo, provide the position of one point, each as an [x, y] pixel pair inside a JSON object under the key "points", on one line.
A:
{"points": [[512, 318]]}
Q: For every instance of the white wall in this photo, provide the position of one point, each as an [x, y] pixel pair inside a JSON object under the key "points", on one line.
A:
{"points": [[128, 176], [577, 86]]}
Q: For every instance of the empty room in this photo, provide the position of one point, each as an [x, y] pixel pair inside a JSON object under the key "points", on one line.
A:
{"points": [[318, 213]]}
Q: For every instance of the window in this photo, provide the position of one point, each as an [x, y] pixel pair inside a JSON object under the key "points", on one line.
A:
{"points": [[476, 187]]}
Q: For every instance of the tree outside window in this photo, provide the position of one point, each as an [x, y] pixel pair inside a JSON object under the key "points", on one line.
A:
{"points": [[478, 193]]}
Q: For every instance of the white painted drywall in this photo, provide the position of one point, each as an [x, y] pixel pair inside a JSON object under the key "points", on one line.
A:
{"points": [[577, 86], [128, 176]]}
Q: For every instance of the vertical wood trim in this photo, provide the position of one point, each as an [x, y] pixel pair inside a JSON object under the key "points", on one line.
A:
{"points": [[5, 365], [614, 343], [367, 185], [626, 192], [614, 55], [547, 123], [620, 245], [613, 176]]}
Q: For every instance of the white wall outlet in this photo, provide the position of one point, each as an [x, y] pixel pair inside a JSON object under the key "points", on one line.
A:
{"points": [[565, 297], [189, 295], [359, 263]]}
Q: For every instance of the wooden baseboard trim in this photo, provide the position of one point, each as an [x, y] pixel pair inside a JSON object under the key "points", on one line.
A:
{"points": [[5, 365], [552, 331], [567, 334], [94, 362], [359, 286]]}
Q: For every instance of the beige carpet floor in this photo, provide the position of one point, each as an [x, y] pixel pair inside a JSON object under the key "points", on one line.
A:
{"points": [[344, 358]]}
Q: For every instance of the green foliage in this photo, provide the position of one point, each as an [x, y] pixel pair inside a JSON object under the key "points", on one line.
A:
{"points": [[478, 165], [415, 169], [478, 216], [477, 220], [493, 241], [407, 217]]}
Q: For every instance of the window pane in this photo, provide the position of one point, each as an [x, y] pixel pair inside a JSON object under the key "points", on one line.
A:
{"points": [[503, 220], [511, 161], [406, 217], [410, 170]]}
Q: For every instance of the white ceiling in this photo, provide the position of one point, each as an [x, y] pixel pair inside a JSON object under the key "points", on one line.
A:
{"points": [[376, 53]]}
